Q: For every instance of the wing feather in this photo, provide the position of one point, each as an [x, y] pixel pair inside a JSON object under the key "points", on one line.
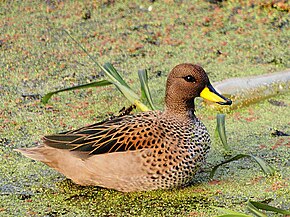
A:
{"points": [[127, 133]]}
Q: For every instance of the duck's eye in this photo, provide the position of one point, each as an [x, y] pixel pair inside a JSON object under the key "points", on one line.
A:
{"points": [[189, 78]]}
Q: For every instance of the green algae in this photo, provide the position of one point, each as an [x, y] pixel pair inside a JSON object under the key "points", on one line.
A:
{"points": [[230, 39]]}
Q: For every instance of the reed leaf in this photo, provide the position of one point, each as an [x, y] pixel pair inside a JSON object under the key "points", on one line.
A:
{"points": [[115, 78], [230, 213], [255, 210], [258, 205], [145, 91], [221, 130], [47, 96], [267, 169], [110, 70]]}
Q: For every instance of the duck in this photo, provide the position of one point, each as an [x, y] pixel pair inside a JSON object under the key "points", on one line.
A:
{"points": [[141, 151]]}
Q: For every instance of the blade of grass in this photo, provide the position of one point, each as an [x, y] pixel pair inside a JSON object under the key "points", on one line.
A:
{"points": [[115, 78], [230, 213], [112, 70], [84, 50], [221, 129], [255, 211], [267, 169], [123, 87], [108, 69], [234, 215], [47, 96], [143, 77], [142, 74], [237, 157], [141, 106], [267, 207]]}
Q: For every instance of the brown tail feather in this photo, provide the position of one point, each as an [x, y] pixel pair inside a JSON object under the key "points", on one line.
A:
{"points": [[33, 153]]}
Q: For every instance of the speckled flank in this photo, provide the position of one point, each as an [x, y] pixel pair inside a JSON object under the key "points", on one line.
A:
{"points": [[144, 151], [174, 161]]}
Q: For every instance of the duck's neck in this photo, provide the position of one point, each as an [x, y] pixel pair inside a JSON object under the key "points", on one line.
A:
{"points": [[179, 108]]}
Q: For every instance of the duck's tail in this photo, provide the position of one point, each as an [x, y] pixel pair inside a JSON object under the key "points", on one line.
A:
{"points": [[36, 153]]}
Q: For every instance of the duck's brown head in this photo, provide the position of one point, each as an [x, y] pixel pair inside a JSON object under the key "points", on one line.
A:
{"points": [[186, 82]]}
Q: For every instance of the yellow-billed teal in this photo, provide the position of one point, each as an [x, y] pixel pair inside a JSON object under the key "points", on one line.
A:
{"points": [[143, 151]]}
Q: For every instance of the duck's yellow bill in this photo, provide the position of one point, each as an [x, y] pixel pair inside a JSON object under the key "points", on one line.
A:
{"points": [[211, 94]]}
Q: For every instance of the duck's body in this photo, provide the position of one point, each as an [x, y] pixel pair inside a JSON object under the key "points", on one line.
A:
{"points": [[153, 151], [144, 151]]}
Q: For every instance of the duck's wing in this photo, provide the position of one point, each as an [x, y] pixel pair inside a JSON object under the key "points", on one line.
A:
{"points": [[130, 132]]}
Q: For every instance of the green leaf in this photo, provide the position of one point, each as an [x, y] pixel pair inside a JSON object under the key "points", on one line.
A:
{"points": [[108, 68], [47, 96], [221, 129], [83, 49], [141, 106], [266, 207], [234, 215], [255, 211], [143, 77], [128, 93], [123, 87], [230, 213], [267, 169], [113, 72], [237, 157], [253, 207], [115, 78]]}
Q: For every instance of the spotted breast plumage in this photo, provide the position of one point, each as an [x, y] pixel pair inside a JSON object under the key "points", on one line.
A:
{"points": [[142, 151]]}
